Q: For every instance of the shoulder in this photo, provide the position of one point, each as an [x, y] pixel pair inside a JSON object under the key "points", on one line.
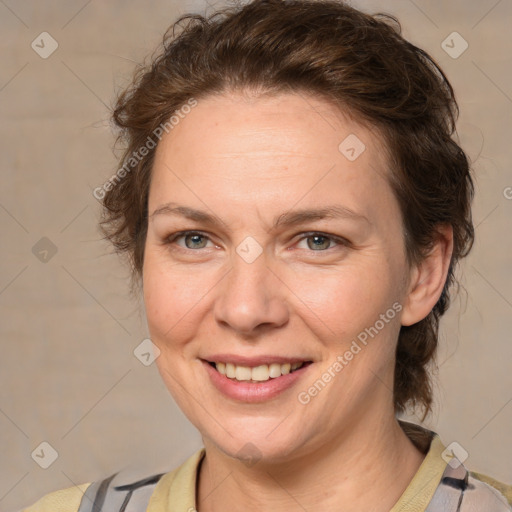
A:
{"points": [[478, 480], [112, 494], [127, 491], [446, 484], [65, 500], [467, 491]]}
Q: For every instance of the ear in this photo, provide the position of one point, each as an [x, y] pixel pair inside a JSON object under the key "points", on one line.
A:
{"points": [[428, 278]]}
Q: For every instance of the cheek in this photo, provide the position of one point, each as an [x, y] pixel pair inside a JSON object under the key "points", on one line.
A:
{"points": [[172, 301], [169, 311], [345, 301]]}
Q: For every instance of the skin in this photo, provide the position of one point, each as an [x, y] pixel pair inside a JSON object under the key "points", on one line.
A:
{"points": [[247, 160]]}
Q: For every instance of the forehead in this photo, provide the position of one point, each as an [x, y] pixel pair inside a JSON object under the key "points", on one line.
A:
{"points": [[291, 125], [270, 151]]}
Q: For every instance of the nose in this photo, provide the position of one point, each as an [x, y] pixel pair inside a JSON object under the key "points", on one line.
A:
{"points": [[251, 298]]}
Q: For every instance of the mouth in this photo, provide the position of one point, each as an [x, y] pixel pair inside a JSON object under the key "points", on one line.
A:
{"points": [[255, 374], [263, 380]]}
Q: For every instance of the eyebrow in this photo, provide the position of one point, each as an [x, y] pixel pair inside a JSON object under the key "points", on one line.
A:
{"points": [[287, 219]]}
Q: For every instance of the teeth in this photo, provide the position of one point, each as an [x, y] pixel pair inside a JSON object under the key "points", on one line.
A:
{"points": [[274, 370], [243, 373], [230, 370], [258, 373]]}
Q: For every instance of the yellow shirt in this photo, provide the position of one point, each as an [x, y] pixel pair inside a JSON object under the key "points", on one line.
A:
{"points": [[175, 491]]}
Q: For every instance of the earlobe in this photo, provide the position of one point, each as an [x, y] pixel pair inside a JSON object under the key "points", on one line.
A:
{"points": [[428, 278]]}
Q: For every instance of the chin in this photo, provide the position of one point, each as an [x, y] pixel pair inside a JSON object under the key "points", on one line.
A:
{"points": [[265, 440]]}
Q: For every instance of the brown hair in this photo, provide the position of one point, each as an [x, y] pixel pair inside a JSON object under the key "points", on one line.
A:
{"points": [[354, 60]]}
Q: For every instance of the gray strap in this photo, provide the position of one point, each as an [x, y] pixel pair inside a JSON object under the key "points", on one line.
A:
{"points": [[450, 491], [106, 496], [458, 491]]}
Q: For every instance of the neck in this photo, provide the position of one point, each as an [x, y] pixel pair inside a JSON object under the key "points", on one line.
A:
{"points": [[367, 470]]}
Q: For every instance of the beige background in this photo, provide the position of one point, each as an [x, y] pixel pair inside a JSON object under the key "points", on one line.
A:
{"points": [[69, 327]]}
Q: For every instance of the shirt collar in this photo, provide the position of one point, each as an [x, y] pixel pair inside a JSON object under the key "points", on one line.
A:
{"points": [[177, 490]]}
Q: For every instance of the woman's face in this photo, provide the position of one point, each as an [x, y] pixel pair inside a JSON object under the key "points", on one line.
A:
{"points": [[294, 256]]}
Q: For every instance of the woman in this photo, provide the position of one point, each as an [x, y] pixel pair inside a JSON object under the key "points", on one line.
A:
{"points": [[294, 207]]}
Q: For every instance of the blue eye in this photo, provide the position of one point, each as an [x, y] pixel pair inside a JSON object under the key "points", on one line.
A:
{"points": [[320, 242], [315, 241], [193, 239]]}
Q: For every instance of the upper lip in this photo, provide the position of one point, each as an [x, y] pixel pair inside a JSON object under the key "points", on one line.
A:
{"points": [[253, 361]]}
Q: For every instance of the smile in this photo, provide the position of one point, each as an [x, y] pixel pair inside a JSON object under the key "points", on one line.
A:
{"points": [[260, 373], [254, 380]]}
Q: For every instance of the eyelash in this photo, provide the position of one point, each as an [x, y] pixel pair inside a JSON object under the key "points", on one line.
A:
{"points": [[310, 234]]}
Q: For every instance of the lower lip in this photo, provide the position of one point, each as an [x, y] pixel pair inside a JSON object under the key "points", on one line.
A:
{"points": [[253, 392]]}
